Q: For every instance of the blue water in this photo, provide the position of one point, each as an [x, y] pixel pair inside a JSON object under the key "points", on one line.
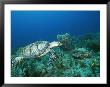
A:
{"points": [[30, 26]]}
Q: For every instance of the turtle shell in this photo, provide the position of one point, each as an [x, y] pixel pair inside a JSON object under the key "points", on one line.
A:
{"points": [[34, 49]]}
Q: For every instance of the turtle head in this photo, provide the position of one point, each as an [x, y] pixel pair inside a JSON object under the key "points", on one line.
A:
{"points": [[55, 44]]}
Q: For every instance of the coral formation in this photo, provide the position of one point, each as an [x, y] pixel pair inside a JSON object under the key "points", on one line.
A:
{"points": [[66, 40], [62, 58], [81, 53]]}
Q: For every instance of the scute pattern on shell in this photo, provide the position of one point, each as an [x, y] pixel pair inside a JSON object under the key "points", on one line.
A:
{"points": [[34, 49]]}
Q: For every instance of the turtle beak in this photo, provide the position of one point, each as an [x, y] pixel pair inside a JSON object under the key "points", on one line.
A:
{"points": [[60, 43]]}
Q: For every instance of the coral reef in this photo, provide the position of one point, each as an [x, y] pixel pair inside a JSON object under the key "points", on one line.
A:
{"points": [[62, 58], [90, 41], [93, 45], [81, 53], [66, 40]]}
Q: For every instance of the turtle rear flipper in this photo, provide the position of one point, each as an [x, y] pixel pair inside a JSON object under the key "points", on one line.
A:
{"points": [[19, 59]]}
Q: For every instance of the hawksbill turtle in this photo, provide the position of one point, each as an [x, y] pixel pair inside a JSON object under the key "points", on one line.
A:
{"points": [[36, 50]]}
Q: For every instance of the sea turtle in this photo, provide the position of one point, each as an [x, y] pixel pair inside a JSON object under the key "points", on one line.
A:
{"points": [[36, 50]]}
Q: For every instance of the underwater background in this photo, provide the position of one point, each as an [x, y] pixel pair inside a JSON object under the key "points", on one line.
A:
{"points": [[29, 26], [77, 31]]}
